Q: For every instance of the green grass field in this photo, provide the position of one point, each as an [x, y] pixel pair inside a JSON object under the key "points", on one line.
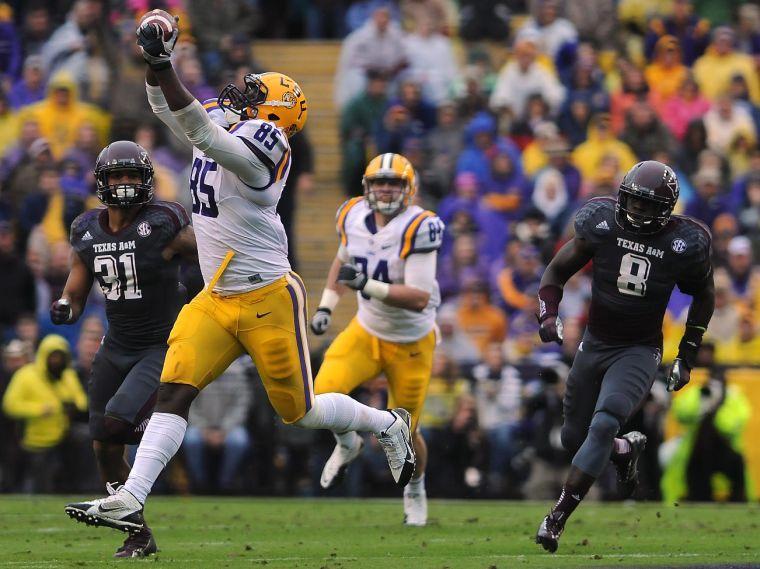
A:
{"points": [[342, 534]]}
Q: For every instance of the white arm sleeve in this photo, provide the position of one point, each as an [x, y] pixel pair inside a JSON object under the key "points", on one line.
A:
{"points": [[228, 151], [158, 104], [419, 271]]}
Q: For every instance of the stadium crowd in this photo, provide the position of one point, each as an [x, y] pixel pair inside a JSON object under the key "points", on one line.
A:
{"points": [[514, 113]]}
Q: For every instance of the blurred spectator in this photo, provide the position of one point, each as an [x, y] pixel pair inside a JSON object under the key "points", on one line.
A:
{"points": [[519, 278], [645, 134], [83, 48], [601, 142], [454, 342], [552, 32], [725, 121], [378, 44], [551, 197], [358, 125], [62, 113], [27, 330], [748, 29], [666, 73], [498, 392], [300, 183], [441, 15], [745, 278], [743, 347], [217, 427], [481, 142], [215, 22], [694, 142], [483, 322], [22, 165], [714, 417], [709, 200], [17, 285], [462, 264], [8, 124], [505, 188], [749, 216], [594, 21], [11, 54], [432, 63], [521, 77], [633, 89], [87, 347], [724, 228], [484, 20], [36, 28], [361, 11], [191, 73], [721, 62], [444, 145], [445, 388], [30, 88], [692, 32], [50, 207], [15, 355], [683, 107], [421, 111], [44, 395]]}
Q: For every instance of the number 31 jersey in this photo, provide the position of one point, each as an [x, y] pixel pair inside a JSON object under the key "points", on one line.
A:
{"points": [[225, 218], [381, 253], [142, 290], [634, 274]]}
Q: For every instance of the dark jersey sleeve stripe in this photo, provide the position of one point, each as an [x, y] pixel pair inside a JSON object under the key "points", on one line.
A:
{"points": [[265, 160]]}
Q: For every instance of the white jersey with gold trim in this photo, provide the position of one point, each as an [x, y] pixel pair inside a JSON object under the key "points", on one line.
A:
{"points": [[381, 254], [229, 214]]}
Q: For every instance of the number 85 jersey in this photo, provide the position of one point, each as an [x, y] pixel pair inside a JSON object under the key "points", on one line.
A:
{"points": [[381, 253], [634, 274]]}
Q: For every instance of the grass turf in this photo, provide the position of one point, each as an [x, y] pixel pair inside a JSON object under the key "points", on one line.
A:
{"points": [[343, 534]]}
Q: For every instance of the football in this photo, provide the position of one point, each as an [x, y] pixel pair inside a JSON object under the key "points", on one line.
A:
{"points": [[162, 18]]}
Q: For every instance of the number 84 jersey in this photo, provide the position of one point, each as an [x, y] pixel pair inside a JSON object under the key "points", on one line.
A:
{"points": [[634, 274], [382, 253]]}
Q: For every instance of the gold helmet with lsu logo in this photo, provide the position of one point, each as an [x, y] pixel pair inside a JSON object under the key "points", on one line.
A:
{"points": [[271, 97], [395, 170]]}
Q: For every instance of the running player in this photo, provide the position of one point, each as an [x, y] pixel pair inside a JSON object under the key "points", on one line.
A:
{"points": [[252, 301], [388, 253], [640, 252], [133, 249]]}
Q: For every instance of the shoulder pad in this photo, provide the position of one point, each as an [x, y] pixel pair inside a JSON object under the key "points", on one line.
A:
{"points": [[695, 235], [596, 219], [268, 143], [169, 213], [81, 224], [341, 216], [423, 233]]}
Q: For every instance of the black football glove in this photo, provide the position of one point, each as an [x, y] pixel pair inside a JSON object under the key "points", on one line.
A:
{"points": [[61, 312], [352, 276], [679, 375], [156, 49], [551, 329], [320, 322]]}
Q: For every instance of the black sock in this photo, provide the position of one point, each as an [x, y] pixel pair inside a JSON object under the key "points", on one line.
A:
{"points": [[575, 489]]}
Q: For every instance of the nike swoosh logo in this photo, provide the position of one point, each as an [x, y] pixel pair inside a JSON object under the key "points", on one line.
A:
{"points": [[262, 315], [109, 509], [386, 246], [414, 354]]}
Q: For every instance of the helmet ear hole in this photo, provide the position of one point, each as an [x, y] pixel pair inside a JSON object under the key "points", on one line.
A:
{"points": [[273, 117]]}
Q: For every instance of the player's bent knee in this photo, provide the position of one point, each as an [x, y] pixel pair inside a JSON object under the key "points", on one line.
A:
{"points": [[617, 405], [108, 429], [604, 426], [175, 398]]}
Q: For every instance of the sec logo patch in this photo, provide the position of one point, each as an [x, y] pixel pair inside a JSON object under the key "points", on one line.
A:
{"points": [[144, 229], [678, 245]]}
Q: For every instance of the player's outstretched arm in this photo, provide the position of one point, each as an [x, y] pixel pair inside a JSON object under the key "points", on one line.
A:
{"points": [[419, 279], [570, 259], [68, 308], [183, 245], [331, 294], [159, 106]]}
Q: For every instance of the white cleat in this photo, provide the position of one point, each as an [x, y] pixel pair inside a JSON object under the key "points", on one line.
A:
{"points": [[119, 510], [415, 507], [337, 465], [396, 441]]}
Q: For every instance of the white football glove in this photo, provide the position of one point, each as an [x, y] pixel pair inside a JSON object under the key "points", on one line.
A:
{"points": [[321, 320], [352, 276]]}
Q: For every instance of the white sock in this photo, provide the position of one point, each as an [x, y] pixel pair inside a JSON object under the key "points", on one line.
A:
{"points": [[346, 439], [159, 444], [416, 485], [341, 414]]}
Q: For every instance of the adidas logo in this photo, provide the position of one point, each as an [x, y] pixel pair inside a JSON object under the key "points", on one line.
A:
{"points": [[87, 236], [602, 225]]}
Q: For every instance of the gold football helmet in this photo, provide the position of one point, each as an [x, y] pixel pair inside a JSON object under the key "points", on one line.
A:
{"points": [[391, 170], [271, 97]]}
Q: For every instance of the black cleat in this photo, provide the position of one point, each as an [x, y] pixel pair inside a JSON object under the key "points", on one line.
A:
{"points": [[548, 533], [140, 544], [628, 465]]}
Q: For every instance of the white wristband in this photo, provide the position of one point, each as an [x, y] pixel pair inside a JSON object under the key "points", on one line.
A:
{"points": [[377, 289], [329, 300]]}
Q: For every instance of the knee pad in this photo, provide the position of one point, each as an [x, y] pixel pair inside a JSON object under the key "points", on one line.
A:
{"points": [[604, 426]]}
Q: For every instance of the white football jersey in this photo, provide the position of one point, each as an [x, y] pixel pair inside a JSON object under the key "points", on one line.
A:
{"points": [[225, 217], [382, 254]]}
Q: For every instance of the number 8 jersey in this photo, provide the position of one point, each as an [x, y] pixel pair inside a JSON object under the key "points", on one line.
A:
{"points": [[634, 274], [226, 215], [381, 253]]}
